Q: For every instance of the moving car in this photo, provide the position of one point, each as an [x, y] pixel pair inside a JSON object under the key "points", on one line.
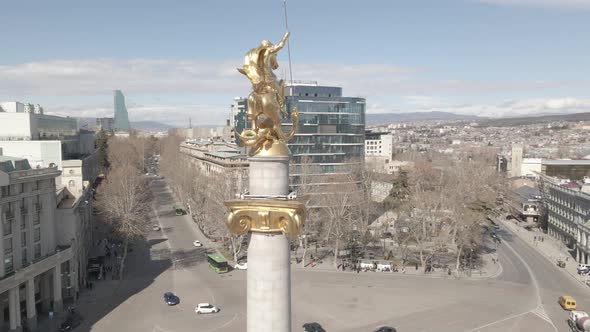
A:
{"points": [[579, 321], [156, 227], [171, 299], [206, 308], [567, 302], [582, 268], [241, 266], [197, 243]]}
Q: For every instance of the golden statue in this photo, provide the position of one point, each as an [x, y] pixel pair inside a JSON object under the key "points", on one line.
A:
{"points": [[267, 98]]}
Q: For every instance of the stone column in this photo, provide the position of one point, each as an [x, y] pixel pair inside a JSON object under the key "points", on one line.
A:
{"points": [[14, 308], [31, 311], [45, 291], [57, 299], [269, 268], [271, 217]]}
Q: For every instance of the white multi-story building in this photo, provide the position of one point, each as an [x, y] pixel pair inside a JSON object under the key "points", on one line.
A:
{"points": [[35, 269], [568, 215], [379, 144]]}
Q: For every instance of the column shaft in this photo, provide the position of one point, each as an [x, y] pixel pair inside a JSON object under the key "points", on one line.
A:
{"points": [[57, 299], [269, 284], [31, 311]]}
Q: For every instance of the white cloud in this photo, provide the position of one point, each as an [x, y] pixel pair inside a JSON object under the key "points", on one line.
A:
{"points": [[172, 114], [561, 4], [211, 85]]}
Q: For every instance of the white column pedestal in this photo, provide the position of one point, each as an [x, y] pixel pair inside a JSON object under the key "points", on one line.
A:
{"points": [[269, 284]]}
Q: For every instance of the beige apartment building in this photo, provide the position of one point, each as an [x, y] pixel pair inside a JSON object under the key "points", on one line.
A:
{"points": [[36, 269]]}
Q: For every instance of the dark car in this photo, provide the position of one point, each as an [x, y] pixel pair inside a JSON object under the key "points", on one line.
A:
{"points": [[70, 323], [313, 327], [171, 299], [386, 329]]}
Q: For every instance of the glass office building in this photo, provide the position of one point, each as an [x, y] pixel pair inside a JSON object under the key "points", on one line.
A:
{"points": [[121, 116], [330, 136]]}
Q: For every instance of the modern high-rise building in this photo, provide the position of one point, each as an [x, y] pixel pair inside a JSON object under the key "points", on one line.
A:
{"points": [[121, 116], [330, 138]]}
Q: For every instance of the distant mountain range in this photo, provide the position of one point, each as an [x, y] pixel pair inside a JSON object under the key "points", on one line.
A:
{"points": [[377, 118], [140, 125], [520, 121]]}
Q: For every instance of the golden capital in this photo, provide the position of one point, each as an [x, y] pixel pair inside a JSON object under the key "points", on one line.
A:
{"points": [[266, 216]]}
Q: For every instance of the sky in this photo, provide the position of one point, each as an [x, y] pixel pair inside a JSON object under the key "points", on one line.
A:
{"points": [[177, 59]]}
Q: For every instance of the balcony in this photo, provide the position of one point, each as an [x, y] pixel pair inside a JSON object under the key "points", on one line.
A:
{"points": [[38, 207], [23, 210]]}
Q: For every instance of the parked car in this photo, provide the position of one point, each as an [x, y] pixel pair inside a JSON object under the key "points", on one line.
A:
{"points": [[70, 323], [171, 299], [206, 308], [197, 243], [313, 327], [583, 267], [156, 227], [241, 266]]}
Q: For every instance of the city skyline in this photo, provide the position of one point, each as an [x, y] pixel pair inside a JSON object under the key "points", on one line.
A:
{"points": [[487, 58]]}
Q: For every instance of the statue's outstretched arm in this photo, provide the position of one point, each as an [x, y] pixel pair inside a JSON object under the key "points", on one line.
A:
{"points": [[280, 45]]}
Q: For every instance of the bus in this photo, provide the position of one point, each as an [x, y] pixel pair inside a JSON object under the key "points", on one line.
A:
{"points": [[217, 263]]}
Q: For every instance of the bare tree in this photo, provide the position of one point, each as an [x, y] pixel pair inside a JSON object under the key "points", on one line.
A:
{"points": [[124, 198]]}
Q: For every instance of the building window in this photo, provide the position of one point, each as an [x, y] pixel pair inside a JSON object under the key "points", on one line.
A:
{"points": [[37, 218], [37, 234], [8, 266], [5, 191], [23, 239], [7, 246], [37, 250], [24, 256], [7, 226]]}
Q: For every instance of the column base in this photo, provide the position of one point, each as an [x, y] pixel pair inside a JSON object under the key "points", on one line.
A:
{"points": [[32, 324], [58, 305]]}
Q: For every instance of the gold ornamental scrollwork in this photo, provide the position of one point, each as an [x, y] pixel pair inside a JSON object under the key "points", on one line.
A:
{"points": [[265, 216]]}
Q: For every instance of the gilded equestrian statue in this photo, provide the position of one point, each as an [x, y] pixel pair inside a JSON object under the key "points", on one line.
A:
{"points": [[267, 98]]}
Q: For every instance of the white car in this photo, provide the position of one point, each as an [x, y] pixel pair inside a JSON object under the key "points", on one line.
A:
{"points": [[241, 266], [206, 308], [156, 227], [197, 243]]}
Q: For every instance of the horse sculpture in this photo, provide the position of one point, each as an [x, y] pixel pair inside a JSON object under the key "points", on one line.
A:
{"points": [[266, 99]]}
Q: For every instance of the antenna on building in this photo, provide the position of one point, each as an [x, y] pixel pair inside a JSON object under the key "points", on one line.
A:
{"points": [[190, 124], [288, 50]]}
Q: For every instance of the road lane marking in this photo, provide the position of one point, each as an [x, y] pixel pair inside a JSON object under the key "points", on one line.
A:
{"points": [[225, 324], [534, 279], [499, 321]]}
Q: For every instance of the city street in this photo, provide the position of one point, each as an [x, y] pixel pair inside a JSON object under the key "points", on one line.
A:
{"points": [[339, 301]]}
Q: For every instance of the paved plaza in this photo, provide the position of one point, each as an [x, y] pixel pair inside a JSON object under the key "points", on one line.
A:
{"points": [[523, 297]]}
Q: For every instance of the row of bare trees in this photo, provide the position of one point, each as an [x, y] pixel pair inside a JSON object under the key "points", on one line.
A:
{"points": [[446, 201], [123, 196], [203, 192]]}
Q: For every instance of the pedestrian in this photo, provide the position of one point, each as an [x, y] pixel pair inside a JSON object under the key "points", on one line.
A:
{"points": [[535, 238], [543, 239], [416, 266]]}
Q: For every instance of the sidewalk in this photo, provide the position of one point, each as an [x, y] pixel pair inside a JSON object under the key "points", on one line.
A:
{"points": [[552, 249]]}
